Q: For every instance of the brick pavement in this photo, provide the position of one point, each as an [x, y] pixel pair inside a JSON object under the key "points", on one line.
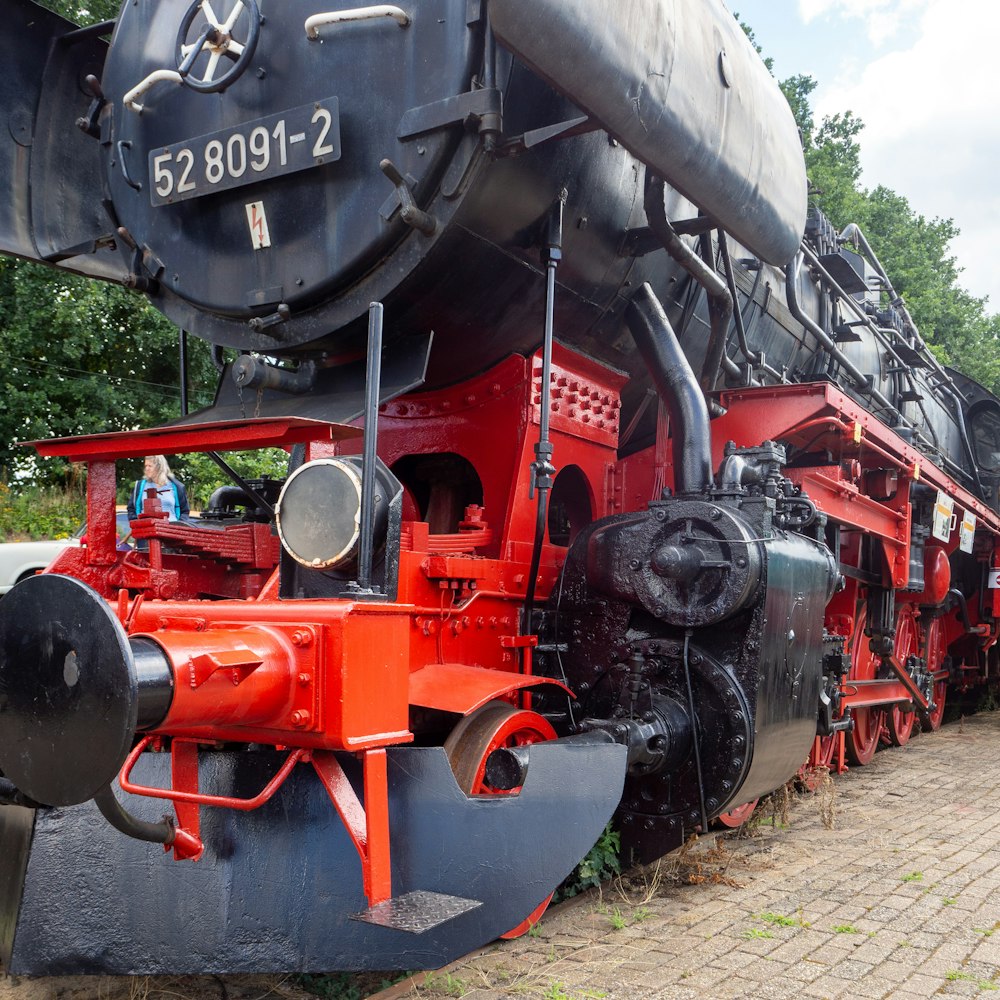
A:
{"points": [[899, 899]]}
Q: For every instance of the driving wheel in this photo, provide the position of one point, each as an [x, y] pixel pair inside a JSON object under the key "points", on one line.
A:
{"points": [[497, 724]]}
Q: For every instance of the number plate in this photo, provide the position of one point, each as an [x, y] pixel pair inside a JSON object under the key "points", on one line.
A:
{"points": [[254, 151]]}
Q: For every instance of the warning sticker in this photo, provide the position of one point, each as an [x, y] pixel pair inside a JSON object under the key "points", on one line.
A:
{"points": [[257, 220]]}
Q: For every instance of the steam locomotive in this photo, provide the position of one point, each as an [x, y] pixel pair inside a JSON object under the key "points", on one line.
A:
{"points": [[621, 486]]}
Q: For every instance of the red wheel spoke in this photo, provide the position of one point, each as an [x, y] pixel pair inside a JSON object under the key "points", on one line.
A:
{"points": [[900, 718], [935, 652], [862, 740]]}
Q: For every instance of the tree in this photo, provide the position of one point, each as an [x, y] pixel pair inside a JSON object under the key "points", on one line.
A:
{"points": [[83, 357], [914, 251]]}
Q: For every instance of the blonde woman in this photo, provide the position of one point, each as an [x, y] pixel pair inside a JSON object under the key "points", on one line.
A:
{"points": [[169, 490]]}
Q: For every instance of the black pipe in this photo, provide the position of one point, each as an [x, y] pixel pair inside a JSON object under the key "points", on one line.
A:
{"points": [[720, 302], [678, 388], [182, 344], [694, 725], [542, 469], [254, 496], [752, 358], [507, 767], [373, 380], [251, 373], [123, 821], [155, 680]]}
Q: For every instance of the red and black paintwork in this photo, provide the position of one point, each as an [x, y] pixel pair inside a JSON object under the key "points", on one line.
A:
{"points": [[705, 535]]}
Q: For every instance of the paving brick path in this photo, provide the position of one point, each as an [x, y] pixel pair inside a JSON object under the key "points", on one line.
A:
{"points": [[900, 899]]}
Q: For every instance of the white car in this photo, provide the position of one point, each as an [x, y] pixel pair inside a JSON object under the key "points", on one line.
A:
{"points": [[19, 560]]}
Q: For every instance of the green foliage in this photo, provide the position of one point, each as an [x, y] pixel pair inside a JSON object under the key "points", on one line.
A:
{"points": [[845, 929], [201, 476], [601, 863], [556, 991], [780, 920], [755, 933], [445, 983], [914, 250], [84, 13], [40, 512], [83, 357]]}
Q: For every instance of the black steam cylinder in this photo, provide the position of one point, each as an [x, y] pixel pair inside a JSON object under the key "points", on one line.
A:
{"points": [[405, 160]]}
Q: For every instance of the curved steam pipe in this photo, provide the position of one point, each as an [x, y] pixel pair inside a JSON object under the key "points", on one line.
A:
{"points": [[678, 388], [123, 821], [720, 302]]}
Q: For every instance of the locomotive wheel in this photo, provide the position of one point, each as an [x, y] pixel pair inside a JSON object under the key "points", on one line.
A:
{"points": [[899, 721], [935, 654], [497, 724], [862, 740], [735, 818]]}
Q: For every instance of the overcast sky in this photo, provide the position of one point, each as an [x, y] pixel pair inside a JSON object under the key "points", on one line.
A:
{"points": [[922, 76]]}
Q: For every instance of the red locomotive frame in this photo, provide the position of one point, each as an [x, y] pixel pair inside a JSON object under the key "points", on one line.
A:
{"points": [[300, 674]]}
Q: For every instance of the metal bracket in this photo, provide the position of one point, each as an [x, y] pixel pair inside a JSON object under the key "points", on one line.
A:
{"points": [[561, 130], [473, 106]]}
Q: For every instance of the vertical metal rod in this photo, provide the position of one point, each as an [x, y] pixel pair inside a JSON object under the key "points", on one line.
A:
{"points": [[694, 730], [546, 394], [373, 378], [183, 345], [542, 469]]}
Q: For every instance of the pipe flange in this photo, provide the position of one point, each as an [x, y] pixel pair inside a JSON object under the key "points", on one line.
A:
{"points": [[704, 565]]}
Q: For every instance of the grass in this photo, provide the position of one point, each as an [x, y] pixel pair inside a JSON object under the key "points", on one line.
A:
{"points": [[845, 929], [957, 975], [755, 933], [446, 983], [780, 920], [913, 877]]}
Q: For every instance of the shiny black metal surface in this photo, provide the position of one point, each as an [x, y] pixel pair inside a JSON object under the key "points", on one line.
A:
{"points": [[42, 93], [477, 147], [97, 902], [640, 71], [69, 697], [702, 606]]}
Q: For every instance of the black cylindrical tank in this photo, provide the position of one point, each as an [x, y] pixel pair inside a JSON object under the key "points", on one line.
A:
{"points": [[267, 222]]}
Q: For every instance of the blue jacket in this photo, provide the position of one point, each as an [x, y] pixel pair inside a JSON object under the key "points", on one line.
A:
{"points": [[138, 497]]}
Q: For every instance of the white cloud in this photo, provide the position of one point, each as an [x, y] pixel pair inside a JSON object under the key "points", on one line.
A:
{"points": [[932, 132], [881, 19]]}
